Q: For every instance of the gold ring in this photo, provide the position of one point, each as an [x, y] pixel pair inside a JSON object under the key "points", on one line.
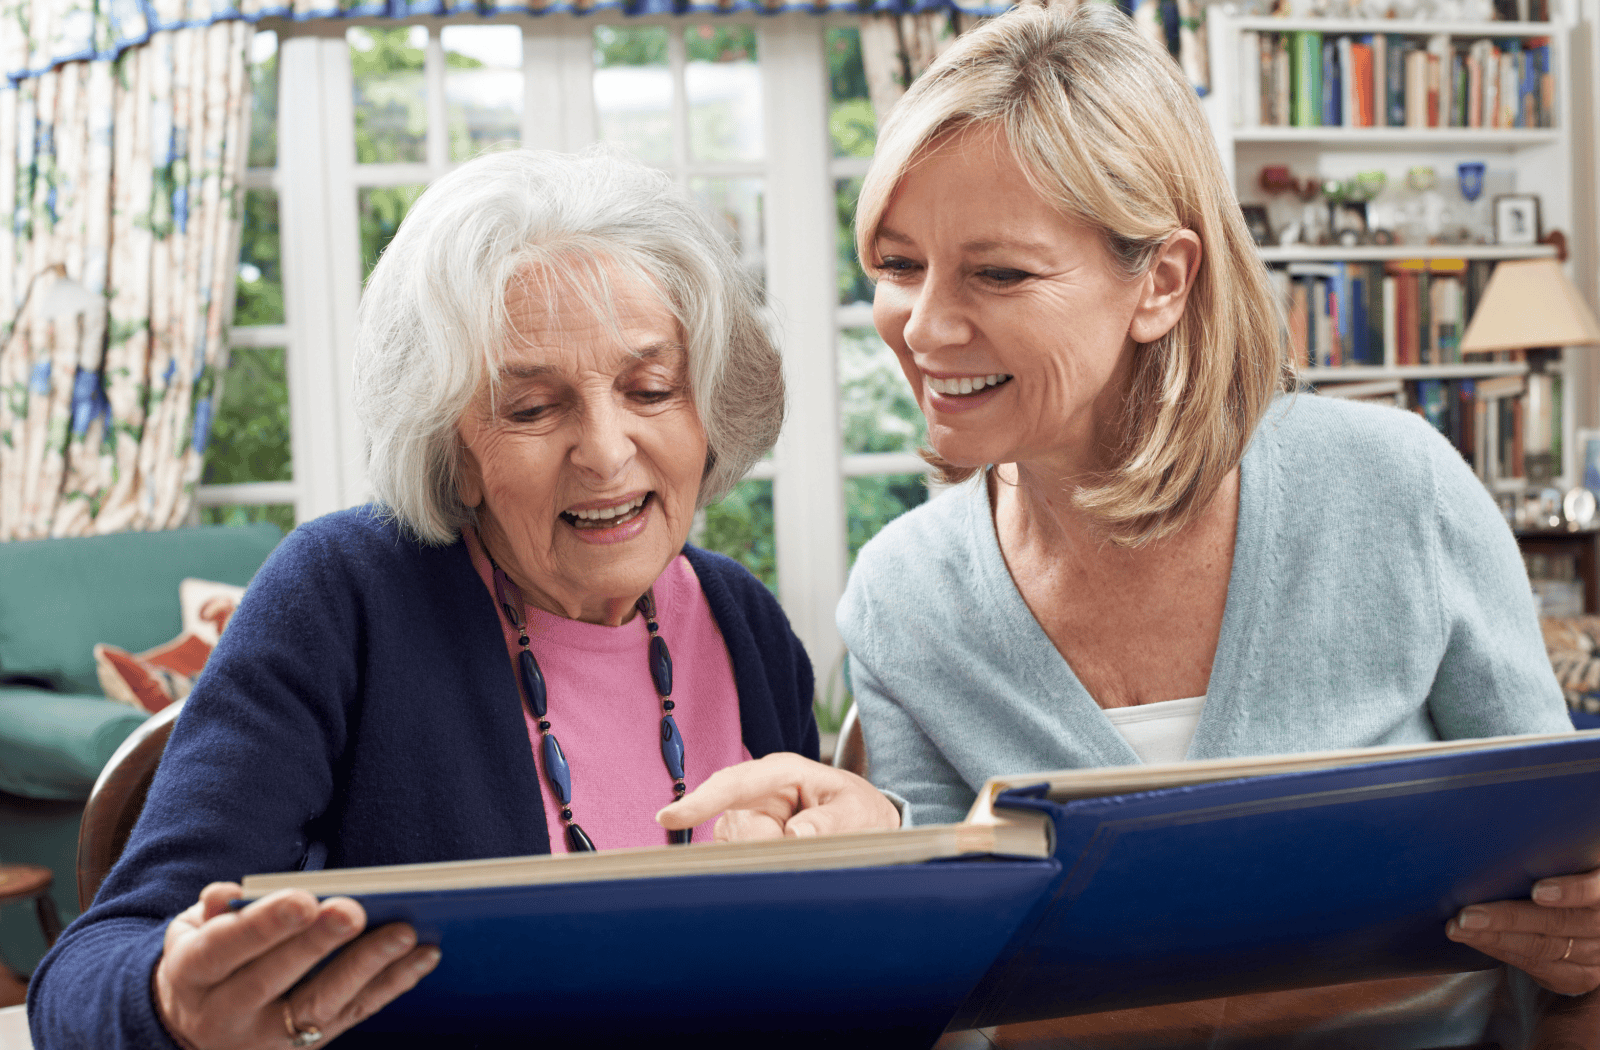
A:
{"points": [[299, 1035], [1567, 952]]}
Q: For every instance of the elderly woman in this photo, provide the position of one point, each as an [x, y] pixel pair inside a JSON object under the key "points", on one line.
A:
{"points": [[1151, 553], [557, 364]]}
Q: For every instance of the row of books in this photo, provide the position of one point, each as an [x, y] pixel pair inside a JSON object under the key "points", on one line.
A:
{"points": [[1310, 79], [1400, 312], [1508, 428]]}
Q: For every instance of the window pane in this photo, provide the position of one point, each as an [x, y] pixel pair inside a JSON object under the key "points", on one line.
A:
{"points": [[382, 208], [876, 409], [259, 286], [722, 83], [872, 503], [633, 90], [280, 514], [264, 101], [250, 433], [851, 120], [853, 284], [390, 98], [736, 205], [482, 87], [741, 527]]}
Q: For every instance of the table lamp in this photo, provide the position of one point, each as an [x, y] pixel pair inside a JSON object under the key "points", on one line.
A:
{"points": [[1530, 305]]}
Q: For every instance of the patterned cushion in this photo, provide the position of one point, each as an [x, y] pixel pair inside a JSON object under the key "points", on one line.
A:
{"points": [[1573, 643], [157, 677]]}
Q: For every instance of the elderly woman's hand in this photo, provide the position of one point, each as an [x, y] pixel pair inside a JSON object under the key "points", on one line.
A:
{"points": [[1555, 937], [782, 795], [225, 976]]}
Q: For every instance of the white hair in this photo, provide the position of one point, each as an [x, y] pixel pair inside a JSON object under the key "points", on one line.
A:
{"points": [[433, 319]]}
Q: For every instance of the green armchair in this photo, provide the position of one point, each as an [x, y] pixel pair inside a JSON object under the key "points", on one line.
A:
{"points": [[59, 597]]}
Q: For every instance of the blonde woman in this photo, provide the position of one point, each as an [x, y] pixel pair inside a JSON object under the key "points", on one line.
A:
{"points": [[1152, 552]]}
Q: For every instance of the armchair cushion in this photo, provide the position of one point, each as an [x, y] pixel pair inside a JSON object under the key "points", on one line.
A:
{"points": [[53, 745], [62, 596]]}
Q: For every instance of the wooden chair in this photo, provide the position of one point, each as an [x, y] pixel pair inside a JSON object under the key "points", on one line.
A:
{"points": [[117, 799], [851, 750]]}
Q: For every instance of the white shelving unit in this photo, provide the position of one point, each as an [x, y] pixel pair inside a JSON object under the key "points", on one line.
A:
{"points": [[1518, 160]]}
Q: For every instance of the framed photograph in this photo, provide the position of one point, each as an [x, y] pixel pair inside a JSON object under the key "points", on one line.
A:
{"points": [[1349, 222], [1516, 219], [1260, 227], [1588, 442]]}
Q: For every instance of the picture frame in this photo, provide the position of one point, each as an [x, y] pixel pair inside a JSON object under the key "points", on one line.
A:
{"points": [[1256, 221], [1348, 221], [1516, 219], [1587, 442]]}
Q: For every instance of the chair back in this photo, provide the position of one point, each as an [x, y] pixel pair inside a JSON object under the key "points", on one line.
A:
{"points": [[851, 750], [117, 799]]}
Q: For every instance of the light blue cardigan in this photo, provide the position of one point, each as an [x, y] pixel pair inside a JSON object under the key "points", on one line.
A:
{"points": [[1377, 597]]}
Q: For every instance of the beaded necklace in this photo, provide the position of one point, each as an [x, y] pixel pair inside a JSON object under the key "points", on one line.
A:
{"points": [[556, 770]]}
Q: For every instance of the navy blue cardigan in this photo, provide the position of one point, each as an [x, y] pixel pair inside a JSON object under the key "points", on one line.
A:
{"points": [[359, 710]]}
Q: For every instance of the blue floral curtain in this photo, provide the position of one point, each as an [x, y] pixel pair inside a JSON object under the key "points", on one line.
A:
{"points": [[120, 180]]}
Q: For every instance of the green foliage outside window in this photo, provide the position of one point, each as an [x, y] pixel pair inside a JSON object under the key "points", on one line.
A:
{"points": [[741, 527]]}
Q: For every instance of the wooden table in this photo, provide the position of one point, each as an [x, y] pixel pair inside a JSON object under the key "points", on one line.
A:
{"points": [[23, 882]]}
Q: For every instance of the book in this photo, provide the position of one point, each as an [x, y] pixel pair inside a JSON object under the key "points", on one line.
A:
{"points": [[1360, 84], [1162, 883], [1306, 73], [1201, 886]]}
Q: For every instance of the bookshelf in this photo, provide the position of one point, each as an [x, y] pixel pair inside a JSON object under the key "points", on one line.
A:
{"points": [[1260, 123]]}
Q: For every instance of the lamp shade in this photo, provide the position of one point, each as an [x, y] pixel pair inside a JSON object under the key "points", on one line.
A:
{"points": [[1530, 303]]}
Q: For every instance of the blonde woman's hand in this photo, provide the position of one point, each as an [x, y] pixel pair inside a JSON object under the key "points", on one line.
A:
{"points": [[225, 977], [1555, 937], [782, 795]]}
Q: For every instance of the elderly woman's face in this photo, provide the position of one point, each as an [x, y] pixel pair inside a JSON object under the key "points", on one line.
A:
{"points": [[1011, 323], [586, 469]]}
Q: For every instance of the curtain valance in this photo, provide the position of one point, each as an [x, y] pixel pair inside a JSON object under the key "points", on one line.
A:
{"points": [[38, 35]]}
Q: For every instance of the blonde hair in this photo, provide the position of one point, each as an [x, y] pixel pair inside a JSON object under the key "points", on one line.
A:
{"points": [[433, 319], [1110, 131]]}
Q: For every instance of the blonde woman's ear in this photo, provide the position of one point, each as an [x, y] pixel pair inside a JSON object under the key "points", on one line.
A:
{"points": [[1167, 285]]}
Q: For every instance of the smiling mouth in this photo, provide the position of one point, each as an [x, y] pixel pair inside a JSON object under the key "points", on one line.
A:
{"points": [[607, 517], [965, 384]]}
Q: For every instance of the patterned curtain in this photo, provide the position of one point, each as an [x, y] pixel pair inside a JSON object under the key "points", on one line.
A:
{"points": [[121, 179], [895, 49]]}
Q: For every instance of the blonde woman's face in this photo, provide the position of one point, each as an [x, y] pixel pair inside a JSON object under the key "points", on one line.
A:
{"points": [[1011, 324], [586, 468]]}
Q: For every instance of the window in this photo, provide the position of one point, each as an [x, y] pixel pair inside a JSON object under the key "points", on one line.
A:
{"points": [[388, 107]]}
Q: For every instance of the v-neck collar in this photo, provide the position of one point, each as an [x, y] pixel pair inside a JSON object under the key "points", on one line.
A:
{"points": [[1093, 740]]}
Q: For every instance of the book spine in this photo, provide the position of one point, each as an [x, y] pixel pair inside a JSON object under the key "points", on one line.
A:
{"points": [[1440, 70], [1425, 354], [1474, 86], [1283, 81], [1307, 71], [1330, 84], [1416, 89], [1391, 335], [1361, 84], [1298, 344], [1347, 64], [1396, 66], [1247, 99], [1380, 79]]}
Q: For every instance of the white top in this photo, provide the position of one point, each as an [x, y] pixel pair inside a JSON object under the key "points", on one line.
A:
{"points": [[1158, 732]]}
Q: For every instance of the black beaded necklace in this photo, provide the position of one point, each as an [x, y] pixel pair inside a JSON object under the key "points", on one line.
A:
{"points": [[556, 770]]}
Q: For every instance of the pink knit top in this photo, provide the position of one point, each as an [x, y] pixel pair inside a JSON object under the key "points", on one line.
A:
{"points": [[605, 712]]}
